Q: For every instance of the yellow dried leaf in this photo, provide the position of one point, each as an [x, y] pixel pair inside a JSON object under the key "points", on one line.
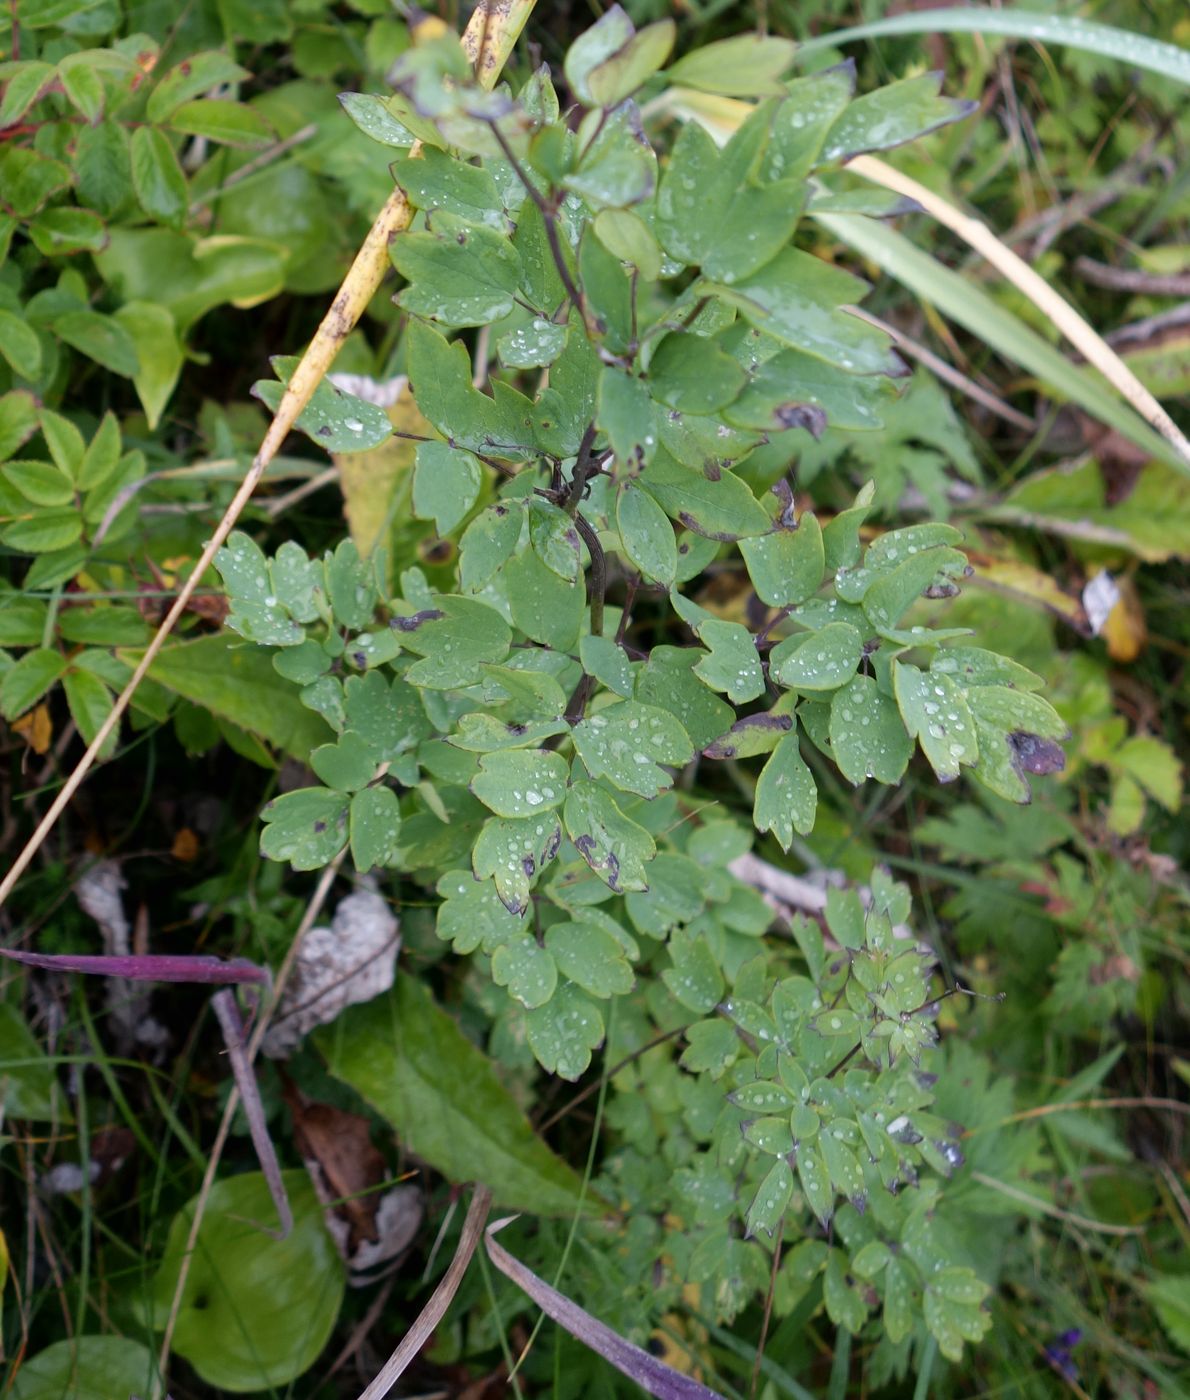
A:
{"points": [[36, 728], [1125, 630], [370, 480]]}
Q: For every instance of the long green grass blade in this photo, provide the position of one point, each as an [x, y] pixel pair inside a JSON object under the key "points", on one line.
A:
{"points": [[960, 300], [1121, 44]]}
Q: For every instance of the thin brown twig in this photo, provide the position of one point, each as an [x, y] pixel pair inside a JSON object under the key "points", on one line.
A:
{"points": [[1127, 279]]}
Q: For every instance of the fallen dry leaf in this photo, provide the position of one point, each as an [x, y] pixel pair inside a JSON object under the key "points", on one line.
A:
{"points": [[36, 728]]}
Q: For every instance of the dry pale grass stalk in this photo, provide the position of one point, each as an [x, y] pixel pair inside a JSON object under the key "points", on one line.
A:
{"points": [[1081, 335], [493, 29]]}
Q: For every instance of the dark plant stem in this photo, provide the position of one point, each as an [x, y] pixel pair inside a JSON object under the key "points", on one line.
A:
{"points": [[761, 638], [576, 707], [549, 214], [584, 469]]}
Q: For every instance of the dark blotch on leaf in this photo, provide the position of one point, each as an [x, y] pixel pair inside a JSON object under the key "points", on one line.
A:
{"points": [[411, 624], [319, 828], [801, 415], [1033, 754]]}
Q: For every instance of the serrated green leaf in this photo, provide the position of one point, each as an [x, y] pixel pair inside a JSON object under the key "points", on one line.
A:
{"points": [[824, 660], [936, 714], [527, 970], [196, 74], [28, 680], [614, 846], [627, 742], [472, 915], [157, 177], [646, 534], [19, 345], [90, 702], [374, 118], [867, 736], [800, 300], [218, 119], [711, 1048], [513, 851], [521, 782], [591, 958], [460, 274], [786, 794], [891, 116], [563, 1033], [446, 484], [786, 567], [39, 482], [953, 1312], [307, 828]]}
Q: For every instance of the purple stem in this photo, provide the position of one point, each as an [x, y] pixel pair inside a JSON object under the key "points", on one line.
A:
{"points": [[638, 1365], [147, 967]]}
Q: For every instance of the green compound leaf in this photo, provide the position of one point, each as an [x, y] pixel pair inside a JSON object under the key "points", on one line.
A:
{"points": [[257, 611], [771, 1200], [646, 534], [527, 970], [374, 824], [308, 828], [563, 1033], [668, 681], [867, 736], [512, 852], [413, 1064], [824, 660], [460, 274], [256, 1311], [591, 958], [936, 714], [546, 609], [446, 484], [786, 794], [614, 846], [627, 742], [786, 567], [373, 117], [712, 1047], [521, 782], [346, 765]]}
